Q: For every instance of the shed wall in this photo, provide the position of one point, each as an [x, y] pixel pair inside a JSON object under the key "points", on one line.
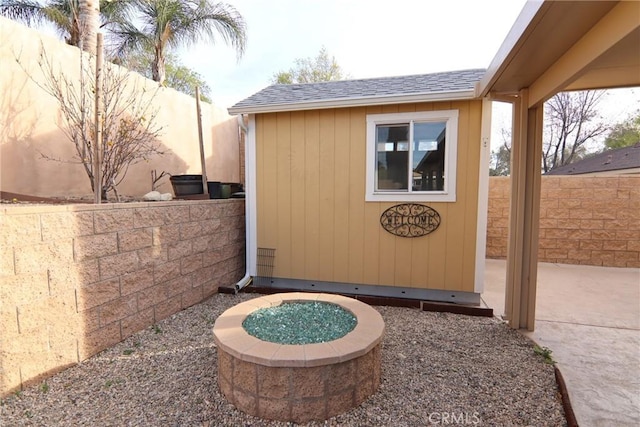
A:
{"points": [[311, 207]]}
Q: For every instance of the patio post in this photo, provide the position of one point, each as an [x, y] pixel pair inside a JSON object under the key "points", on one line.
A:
{"points": [[524, 217]]}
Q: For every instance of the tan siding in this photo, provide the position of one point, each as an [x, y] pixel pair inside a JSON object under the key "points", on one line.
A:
{"points": [[298, 199], [311, 194], [270, 211], [284, 211], [456, 211], [260, 184], [375, 260], [372, 243], [356, 195], [436, 262], [327, 187], [471, 224], [341, 193]]}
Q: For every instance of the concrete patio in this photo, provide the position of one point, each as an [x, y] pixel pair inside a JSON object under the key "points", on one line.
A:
{"points": [[590, 318]]}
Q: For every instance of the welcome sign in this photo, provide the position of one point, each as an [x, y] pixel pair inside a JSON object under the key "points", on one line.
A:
{"points": [[410, 220]]}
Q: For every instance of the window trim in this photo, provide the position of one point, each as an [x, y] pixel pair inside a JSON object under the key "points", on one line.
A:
{"points": [[450, 117]]}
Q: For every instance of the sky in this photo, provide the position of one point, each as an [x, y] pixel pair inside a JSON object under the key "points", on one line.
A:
{"points": [[368, 38]]}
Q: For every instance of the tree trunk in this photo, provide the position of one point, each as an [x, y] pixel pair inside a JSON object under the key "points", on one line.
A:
{"points": [[89, 24], [157, 67]]}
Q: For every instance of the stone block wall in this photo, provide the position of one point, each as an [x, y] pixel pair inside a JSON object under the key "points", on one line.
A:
{"points": [[592, 220], [77, 279]]}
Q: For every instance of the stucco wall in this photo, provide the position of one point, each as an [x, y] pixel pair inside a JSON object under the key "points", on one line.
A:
{"points": [[30, 123], [583, 220], [77, 279]]}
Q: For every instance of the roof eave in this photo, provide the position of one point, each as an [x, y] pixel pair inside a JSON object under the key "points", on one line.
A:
{"points": [[510, 46], [357, 102]]}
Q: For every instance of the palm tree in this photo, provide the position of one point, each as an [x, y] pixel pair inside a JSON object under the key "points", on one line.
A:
{"points": [[65, 16], [89, 24], [170, 23]]}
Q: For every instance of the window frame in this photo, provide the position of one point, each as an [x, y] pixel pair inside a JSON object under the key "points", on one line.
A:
{"points": [[450, 117]]}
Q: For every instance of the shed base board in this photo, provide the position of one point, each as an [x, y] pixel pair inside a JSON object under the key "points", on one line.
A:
{"points": [[439, 295]]}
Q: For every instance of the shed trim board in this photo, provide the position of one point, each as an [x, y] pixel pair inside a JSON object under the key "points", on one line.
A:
{"points": [[356, 102], [251, 198], [448, 194], [440, 295], [483, 194]]}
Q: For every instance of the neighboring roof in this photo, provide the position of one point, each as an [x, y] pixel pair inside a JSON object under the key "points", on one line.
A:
{"points": [[620, 159], [447, 86]]}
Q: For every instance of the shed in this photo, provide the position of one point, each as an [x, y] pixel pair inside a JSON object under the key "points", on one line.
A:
{"points": [[553, 46], [374, 186]]}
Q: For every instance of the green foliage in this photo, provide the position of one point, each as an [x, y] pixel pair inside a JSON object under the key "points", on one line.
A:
{"points": [[572, 120], [545, 352], [113, 382], [44, 387], [322, 68], [161, 25], [63, 15], [178, 77], [624, 134], [132, 26], [500, 161], [501, 158]]}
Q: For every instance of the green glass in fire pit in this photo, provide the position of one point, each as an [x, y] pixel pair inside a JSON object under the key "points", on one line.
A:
{"points": [[304, 322]]}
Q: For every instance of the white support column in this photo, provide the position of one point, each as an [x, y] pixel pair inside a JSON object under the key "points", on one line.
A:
{"points": [[251, 197], [483, 194], [524, 217]]}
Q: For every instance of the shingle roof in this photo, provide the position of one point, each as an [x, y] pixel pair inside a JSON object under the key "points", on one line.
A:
{"points": [[436, 86], [611, 160]]}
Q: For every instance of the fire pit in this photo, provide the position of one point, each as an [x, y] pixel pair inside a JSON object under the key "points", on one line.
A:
{"points": [[299, 378]]}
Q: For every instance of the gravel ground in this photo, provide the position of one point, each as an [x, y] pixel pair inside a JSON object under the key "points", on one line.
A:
{"points": [[437, 369]]}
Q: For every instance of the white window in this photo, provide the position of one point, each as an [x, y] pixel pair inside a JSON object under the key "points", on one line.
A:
{"points": [[412, 156]]}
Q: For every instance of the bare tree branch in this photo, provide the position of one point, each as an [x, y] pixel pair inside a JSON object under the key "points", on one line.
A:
{"points": [[130, 130]]}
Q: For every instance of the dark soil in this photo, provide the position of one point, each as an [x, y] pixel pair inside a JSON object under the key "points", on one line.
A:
{"points": [[16, 198]]}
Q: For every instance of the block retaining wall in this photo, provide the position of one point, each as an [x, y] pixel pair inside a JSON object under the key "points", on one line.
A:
{"points": [[77, 279], [591, 220]]}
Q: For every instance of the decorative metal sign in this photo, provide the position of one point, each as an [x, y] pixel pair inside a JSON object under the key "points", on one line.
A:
{"points": [[410, 220]]}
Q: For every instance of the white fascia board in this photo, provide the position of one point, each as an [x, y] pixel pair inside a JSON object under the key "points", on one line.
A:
{"points": [[251, 199], [357, 102], [483, 196]]}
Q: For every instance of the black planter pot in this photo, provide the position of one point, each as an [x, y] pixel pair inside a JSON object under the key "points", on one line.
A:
{"points": [[234, 187], [215, 189], [186, 185]]}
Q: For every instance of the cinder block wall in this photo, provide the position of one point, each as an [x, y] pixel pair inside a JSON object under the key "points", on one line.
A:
{"points": [[77, 279], [591, 220]]}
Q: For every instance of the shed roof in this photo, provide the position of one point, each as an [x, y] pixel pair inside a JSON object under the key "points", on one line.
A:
{"points": [[445, 86], [621, 159]]}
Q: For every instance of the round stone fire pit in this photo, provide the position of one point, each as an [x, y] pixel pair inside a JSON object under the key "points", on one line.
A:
{"points": [[298, 382]]}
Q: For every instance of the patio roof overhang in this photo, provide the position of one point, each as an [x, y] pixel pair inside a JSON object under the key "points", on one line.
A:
{"points": [[553, 46], [567, 45]]}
